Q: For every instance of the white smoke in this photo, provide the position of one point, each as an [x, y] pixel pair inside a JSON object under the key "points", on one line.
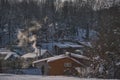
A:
{"points": [[26, 36], [22, 37], [33, 38]]}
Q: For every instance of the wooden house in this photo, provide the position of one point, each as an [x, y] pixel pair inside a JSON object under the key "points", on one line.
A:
{"points": [[64, 64]]}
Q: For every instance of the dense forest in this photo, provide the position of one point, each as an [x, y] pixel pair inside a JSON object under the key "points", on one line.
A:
{"points": [[61, 16], [53, 19]]}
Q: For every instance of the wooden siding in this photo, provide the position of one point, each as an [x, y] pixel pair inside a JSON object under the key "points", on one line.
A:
{"points": [[57, 67]]}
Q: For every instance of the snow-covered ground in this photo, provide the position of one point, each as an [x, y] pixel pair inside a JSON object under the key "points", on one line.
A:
{"points": [[34, 77]]}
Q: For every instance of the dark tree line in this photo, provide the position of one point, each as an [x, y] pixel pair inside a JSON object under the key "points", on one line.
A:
{"points": [[67, 15]]}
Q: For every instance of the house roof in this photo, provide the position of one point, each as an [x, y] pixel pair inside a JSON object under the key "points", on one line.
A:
{"points": [[118, 64], [43, 51], [88, 44], [79, 56], [4, 50], [68, 44], [50, 59], [29, 55], [8, 54], [33, 55]]}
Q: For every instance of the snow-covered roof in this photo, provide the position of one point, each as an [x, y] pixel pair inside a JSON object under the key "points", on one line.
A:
{"points": [[43, 51], [49, 46], [88, 44], [4, 50], [74, 46], [79, 56], [79, 51], [66, 44], [8, 54], [34, 55], [50, 59], [61, 45], [29, 55], [118, 64], [57, 58]]}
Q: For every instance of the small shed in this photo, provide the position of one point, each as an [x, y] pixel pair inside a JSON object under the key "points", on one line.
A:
{"points": [[63, 64]]}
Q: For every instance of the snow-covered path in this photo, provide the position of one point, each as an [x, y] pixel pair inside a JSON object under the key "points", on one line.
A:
{"points": [[34, 77]]}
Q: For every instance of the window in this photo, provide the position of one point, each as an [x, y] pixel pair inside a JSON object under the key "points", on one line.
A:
{"points": [[67, 65]]}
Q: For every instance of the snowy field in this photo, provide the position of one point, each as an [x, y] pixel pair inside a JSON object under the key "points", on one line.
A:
{"points": [[33, 77]]}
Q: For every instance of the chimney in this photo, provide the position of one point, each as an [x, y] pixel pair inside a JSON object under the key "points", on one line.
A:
{"points": [[68, 54]]}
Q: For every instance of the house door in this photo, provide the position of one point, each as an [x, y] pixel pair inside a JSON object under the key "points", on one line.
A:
{"points": [[43, 70]]}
